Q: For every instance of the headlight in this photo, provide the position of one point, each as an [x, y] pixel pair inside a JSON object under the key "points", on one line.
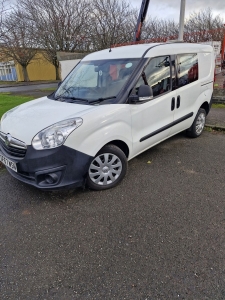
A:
{"points": [[55, 135]]}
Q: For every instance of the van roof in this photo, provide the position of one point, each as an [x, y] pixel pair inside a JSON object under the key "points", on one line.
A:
{"points": [[137, 51]]}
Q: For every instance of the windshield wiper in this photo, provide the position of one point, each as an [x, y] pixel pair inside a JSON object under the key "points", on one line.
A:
{"points": [[76, 98], [72, 98], [101, 99]]}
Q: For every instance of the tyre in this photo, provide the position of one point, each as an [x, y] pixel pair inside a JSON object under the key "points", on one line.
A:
{"points": [[107, 169], [198, 125]]}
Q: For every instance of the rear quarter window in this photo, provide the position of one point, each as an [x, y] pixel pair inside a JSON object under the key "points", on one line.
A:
{"points": [[205, 65], [188, 68]]}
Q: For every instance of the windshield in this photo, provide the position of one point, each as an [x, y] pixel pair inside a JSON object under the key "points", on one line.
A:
{"points": [[96, 80]]}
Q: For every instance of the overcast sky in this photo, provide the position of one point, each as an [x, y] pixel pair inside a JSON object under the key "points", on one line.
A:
{"points": [[170, 9]]}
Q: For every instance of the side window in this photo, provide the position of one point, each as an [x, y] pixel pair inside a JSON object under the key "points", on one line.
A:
{"points": [[157, 74], [187, 68]]}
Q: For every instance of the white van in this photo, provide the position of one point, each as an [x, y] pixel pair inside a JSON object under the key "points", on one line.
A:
{"points": [[115, 104]]}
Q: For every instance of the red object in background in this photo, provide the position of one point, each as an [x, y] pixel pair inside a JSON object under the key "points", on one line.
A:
{"points": [[113, 72], [193, 73], [141, 18], [223, 49]]}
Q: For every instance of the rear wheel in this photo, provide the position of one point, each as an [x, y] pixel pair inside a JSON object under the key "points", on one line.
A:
{"points": [[107, 169], [198, 125]]}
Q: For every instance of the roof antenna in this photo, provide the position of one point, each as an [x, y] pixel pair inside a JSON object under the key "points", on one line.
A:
{"points": [[111, 42]]}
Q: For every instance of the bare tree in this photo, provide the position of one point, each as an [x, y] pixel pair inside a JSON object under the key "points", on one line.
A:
{"points": [[203, 26], [199, 27], [60, 25], [18, 42], [3, 9], [159, 29], [112, 22]]}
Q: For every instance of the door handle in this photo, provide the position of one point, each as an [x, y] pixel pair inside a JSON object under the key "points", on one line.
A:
{"points": [[178, 101], [173, 103]]}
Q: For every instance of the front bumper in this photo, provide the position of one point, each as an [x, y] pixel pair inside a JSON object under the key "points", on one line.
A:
{"points": [[51, 169]]}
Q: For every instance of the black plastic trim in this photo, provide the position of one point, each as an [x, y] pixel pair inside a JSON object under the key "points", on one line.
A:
{"points": [[151, 48], [207, 83], [173, 104], [12, 151], [167, 127], [71, 167], [178, 101]]}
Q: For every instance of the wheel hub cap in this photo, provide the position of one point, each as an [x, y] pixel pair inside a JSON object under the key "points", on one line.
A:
{"points": [[200, 123], [105, 169]]}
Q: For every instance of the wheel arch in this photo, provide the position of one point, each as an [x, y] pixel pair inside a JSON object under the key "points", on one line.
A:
{"points": [[206, 107], [122, 145]]}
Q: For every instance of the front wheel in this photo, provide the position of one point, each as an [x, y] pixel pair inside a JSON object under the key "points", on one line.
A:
{"points": [[107, 169], [198, 125]]}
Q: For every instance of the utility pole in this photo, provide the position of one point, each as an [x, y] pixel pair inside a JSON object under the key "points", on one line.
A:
{"points": [[182, 14]]}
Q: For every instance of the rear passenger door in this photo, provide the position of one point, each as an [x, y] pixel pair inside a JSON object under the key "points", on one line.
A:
{"points": [[187, 88]]}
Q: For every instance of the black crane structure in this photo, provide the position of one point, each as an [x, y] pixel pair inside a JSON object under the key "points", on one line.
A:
{"points": [[141, 18]]}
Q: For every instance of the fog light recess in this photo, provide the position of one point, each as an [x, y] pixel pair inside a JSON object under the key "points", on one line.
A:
{"points": [[51, 178]]}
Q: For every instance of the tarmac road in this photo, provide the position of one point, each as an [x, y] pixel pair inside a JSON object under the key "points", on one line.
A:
{"points": [[158, 235]]}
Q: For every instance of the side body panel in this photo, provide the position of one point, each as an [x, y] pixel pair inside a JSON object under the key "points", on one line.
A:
{"points": [[148, 118], [188, 108]]}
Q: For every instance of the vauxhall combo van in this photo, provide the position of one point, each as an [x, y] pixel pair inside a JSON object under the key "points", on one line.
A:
{"points": [[114, 104]]}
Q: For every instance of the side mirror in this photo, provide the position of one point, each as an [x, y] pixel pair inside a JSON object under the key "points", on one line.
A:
{"points": [[145, 93], [133, 98]]}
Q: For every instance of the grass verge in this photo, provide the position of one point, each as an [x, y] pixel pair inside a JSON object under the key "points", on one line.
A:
{"points": [[214, 129], [8, 101], [9, 82], [48, 90], [218, 105]]}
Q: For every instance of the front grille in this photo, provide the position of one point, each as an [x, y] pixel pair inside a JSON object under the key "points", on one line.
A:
{"points": [[12, 146]]}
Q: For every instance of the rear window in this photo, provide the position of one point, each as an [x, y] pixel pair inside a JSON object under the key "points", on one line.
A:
{"points": [[187, 68]]}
